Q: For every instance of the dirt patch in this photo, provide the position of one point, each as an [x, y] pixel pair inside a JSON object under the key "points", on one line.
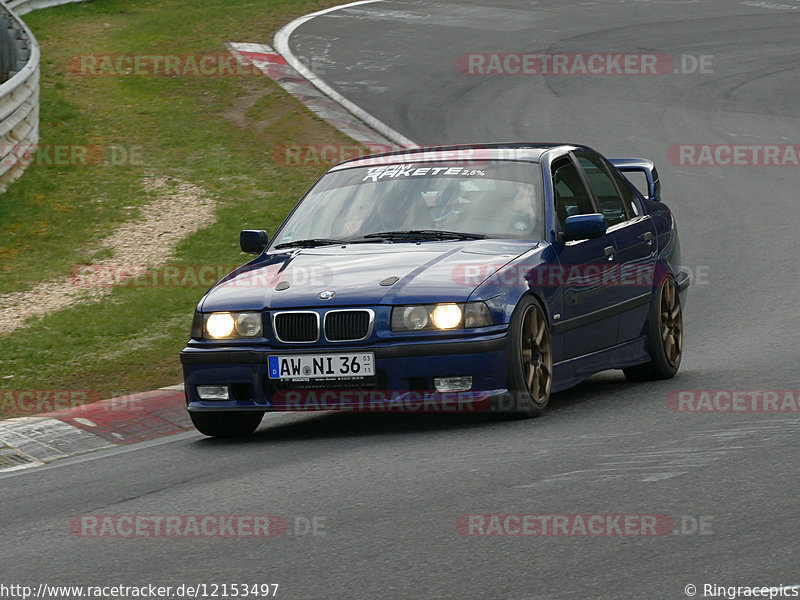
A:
{"points": [[275, 117], [180, 209]]}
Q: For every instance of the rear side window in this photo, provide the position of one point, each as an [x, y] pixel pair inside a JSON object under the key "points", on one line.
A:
{"points": [[571, 196], [604, 189], [629, 200]]}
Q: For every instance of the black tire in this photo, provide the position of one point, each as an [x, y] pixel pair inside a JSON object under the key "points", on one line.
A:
{"points": [[664, 336], [530, 360], [226, 424]]}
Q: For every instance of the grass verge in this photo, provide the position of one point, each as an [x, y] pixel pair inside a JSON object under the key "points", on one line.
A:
{"points": [[215, 132]]}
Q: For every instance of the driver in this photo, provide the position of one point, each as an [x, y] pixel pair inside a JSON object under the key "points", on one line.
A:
{"points": [[520, 217]]}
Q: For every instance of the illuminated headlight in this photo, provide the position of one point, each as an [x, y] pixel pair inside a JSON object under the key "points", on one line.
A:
{"points": [[220, 325], [226, 325], [447, 315]]}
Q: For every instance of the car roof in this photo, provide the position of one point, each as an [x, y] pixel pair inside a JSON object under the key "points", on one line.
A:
{"points": [[518, 151]]}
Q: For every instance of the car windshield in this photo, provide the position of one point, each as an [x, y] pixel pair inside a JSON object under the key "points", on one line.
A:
{"points": [[436, 201]]}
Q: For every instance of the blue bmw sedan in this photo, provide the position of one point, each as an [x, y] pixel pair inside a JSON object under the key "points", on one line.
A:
{"points": [[482, 277]]}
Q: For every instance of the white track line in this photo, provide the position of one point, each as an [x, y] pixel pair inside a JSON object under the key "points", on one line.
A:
{"points": [[281, 44]]}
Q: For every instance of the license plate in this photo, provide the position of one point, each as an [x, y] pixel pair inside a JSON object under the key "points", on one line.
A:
{"points": [[307, 367]]}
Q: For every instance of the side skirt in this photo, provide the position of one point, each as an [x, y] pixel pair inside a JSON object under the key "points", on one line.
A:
{"points": [[569, 373]]}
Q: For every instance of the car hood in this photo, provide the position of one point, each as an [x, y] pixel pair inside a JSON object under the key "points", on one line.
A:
{"points": [[363, 274]]}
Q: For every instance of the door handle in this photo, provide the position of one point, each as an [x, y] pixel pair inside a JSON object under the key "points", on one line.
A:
{"points": [[609, 250], [647, 236]]}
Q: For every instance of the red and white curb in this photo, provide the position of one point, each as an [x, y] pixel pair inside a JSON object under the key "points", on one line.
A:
{"points": [[32, 441], [281, 43], [280, 64], [265, 59]]}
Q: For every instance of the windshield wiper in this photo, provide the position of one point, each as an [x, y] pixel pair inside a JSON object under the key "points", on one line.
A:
{"points": [[430, 234], [408, 234], [310, 243]]}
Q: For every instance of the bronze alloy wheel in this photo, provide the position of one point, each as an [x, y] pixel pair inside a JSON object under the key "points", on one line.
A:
{"points": [[671, 322], [664, 336], [536, 355]]}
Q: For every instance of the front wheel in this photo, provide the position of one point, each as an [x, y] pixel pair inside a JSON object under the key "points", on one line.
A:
{"points": [[530, 360], [226, 424], [664, 336]]}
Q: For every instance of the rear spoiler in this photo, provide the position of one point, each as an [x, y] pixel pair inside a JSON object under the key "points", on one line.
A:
{"points": [[641, 165]]}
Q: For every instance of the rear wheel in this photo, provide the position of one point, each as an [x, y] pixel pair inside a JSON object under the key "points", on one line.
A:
{"points": [[226, 424], [530, 360], [664, 336]]}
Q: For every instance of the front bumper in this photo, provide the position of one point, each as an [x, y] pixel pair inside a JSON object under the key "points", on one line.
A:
{"points": [[404, 378]]}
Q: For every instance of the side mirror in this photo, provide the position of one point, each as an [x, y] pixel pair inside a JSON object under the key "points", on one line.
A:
{"points": [[584, 227], [253, 241]]}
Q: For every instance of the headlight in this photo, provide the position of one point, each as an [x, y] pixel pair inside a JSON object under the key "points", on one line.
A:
{"points": [[441, 316], [248, 324], [220, 325], [446, 316], [415, 317], [226, 325], [476, 314]]}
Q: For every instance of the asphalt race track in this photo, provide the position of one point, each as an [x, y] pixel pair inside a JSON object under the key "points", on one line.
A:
{"points": [[387, 490]]}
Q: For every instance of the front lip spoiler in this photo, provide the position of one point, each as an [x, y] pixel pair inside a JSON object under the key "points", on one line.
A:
{"points": [[197, 356]]}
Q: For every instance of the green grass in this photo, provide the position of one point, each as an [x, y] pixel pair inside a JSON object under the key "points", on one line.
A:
{"points": [[215, 132]]}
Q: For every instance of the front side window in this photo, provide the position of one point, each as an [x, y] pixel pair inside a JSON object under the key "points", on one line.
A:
{"points": [[603, 187], [571, 196], [495, 199]]}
